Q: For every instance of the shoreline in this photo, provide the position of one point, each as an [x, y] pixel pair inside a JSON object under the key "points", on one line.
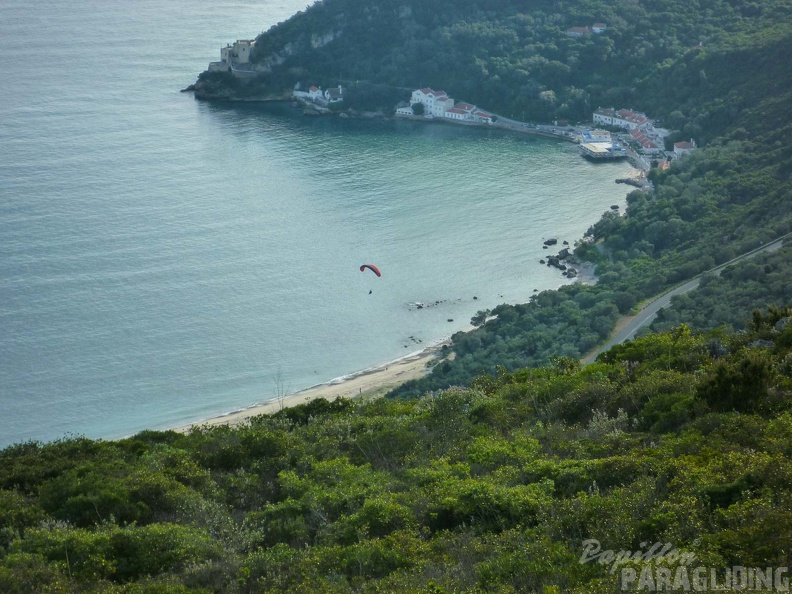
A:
{"points": [[378, 380], [372, 382], [367, 383]]}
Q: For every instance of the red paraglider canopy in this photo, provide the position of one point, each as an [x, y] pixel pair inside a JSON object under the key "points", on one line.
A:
{"points": [[371, 267]]}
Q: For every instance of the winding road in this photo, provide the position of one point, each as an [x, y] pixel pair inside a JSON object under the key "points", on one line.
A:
{"points": [[629, 325]]}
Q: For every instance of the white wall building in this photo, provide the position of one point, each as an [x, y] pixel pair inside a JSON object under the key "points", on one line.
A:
{"points": [[596, 136], [334, 95], [457, 114], [315, 93], [684, 148], [623, 118], [435, 103]]}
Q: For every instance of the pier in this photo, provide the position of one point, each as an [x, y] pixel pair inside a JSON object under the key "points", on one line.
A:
{"points": [[600, 151]]}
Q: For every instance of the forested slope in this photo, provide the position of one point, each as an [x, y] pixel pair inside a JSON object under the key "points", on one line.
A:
{"points": [[511, 57], [678, 438], [712, 70], [726, 198]]}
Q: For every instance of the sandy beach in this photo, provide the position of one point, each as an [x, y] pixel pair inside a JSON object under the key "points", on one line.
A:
{"points": [[365, 384]]}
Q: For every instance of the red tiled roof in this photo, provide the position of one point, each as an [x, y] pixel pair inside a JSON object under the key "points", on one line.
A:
{"points": [[643, 140], [456, 110], [314, 88], [428, 91], [632, 116], [600, 25], [465, 106], [684, 145]]}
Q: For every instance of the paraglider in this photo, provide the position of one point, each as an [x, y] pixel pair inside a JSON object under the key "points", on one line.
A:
{"points": [[371, 267]]}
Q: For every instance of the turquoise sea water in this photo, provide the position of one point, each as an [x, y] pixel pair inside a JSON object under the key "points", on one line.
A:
{"points": [[164, 260]]}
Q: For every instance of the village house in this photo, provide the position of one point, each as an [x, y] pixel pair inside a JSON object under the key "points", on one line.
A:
{"points": [[334, 95], [435, 103], [316, 95], [455, 113], [646, 144], [483, 117], [596, 28], [623, 118], [578, 31], [684, 148], [466, 107]]}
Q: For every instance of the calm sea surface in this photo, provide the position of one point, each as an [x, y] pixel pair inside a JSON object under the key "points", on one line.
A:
{"points": [[164, 260]]}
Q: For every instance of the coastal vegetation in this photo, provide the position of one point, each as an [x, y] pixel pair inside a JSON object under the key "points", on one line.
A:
{"points": [[519, 61], [726, 300], [679, 437], [712, 70], [509, 455]]}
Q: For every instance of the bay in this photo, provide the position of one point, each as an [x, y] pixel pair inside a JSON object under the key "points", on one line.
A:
{"points": [[164, 260]]}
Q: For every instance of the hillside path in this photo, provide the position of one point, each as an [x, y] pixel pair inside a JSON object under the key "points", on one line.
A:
{"points": [[628, 326]]}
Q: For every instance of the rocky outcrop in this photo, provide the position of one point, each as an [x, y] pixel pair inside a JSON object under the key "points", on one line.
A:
{"points": [[562, 261]]}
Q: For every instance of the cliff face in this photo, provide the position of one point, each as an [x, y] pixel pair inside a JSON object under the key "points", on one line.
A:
{"points": [[224, 86]]}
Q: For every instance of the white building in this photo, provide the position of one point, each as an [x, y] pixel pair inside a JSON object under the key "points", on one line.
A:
{"points": [[457, 114], [441, 105], [596, 136], [482, 116], [315, 93], [647, 145], [334, 95], [462, 111], [435, 103], [684, 148], [599, 28], [623, 118]]}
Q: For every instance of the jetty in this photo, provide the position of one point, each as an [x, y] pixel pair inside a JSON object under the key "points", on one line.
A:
{"points": [[602, 151]]}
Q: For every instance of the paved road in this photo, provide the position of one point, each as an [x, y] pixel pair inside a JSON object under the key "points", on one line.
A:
{"points": [[649, 311]]}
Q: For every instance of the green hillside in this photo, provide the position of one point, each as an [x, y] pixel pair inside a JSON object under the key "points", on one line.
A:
{"points": [[515, 57], [677, 438], [494, 484], [716, 71]]}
